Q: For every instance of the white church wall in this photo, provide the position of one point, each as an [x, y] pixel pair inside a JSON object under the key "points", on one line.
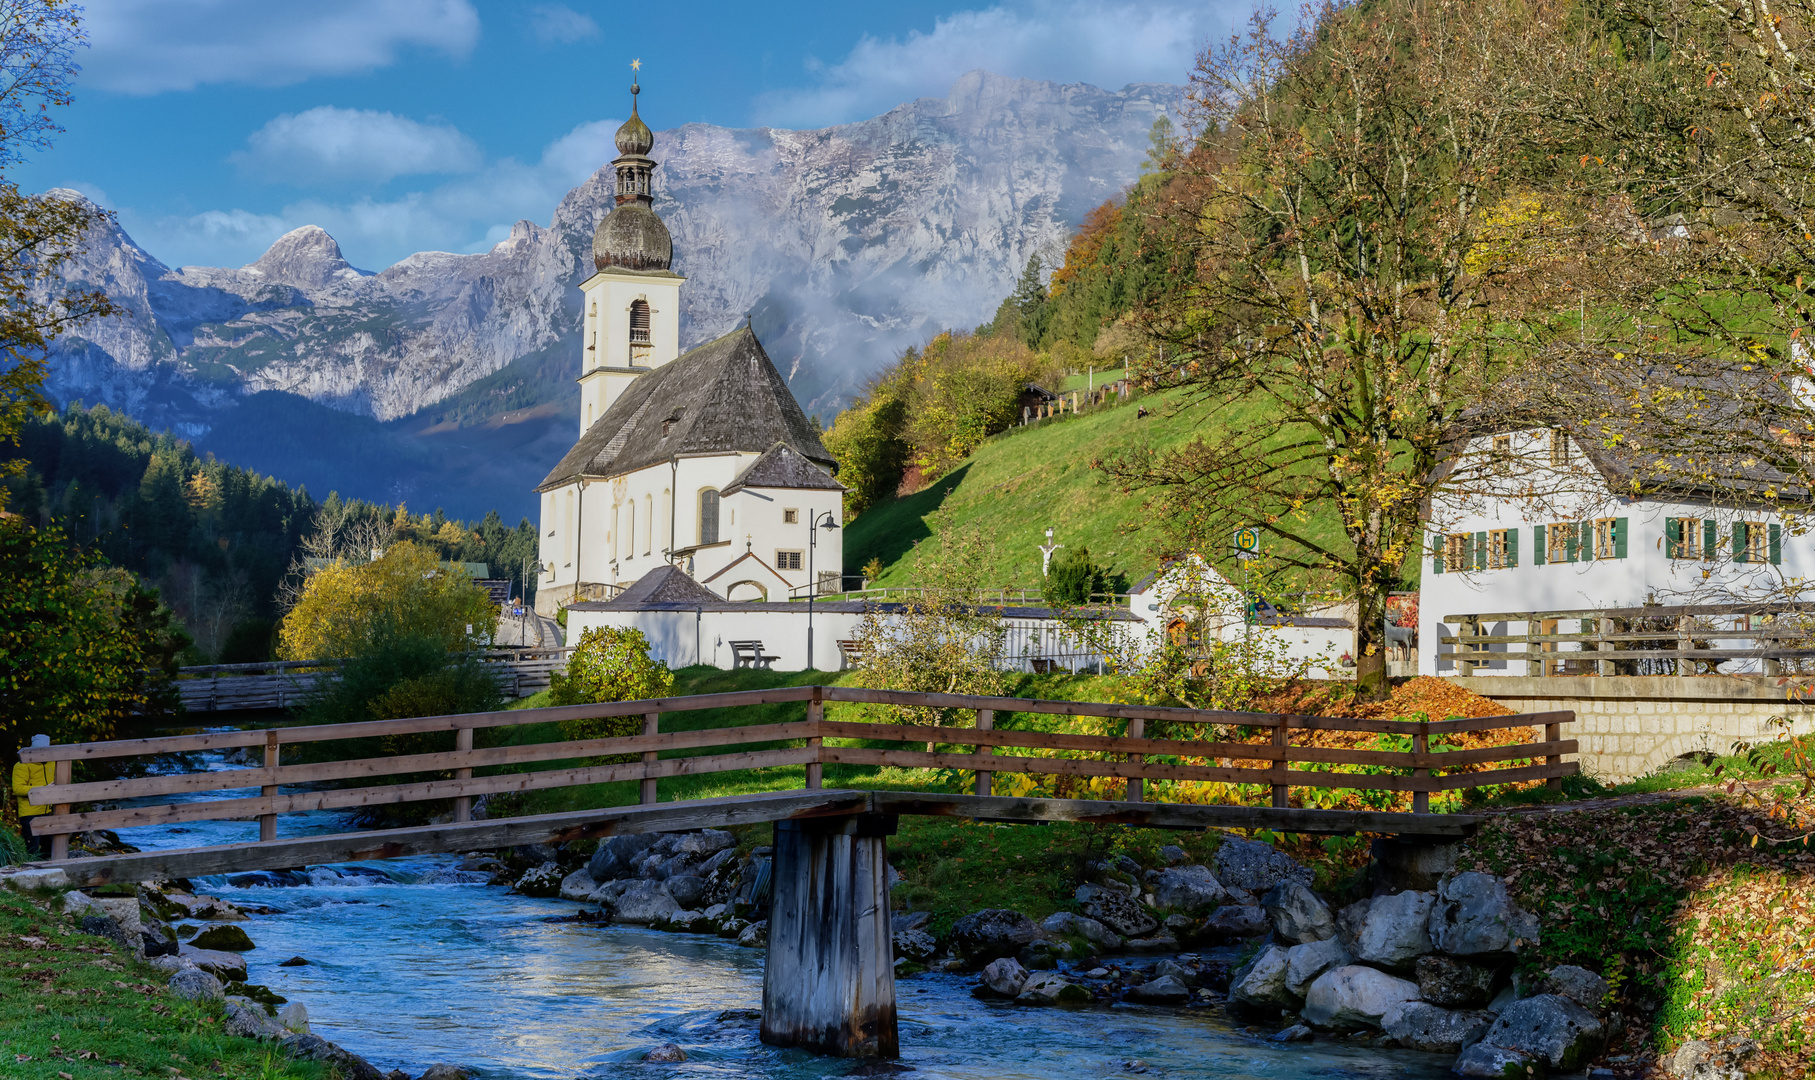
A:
{"points": [[682, 638]]}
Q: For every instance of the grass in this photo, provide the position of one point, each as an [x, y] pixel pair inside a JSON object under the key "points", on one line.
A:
{"points": [[75, 1007]]}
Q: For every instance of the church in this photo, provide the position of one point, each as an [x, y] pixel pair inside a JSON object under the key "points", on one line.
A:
{"points": [[701, 461]]}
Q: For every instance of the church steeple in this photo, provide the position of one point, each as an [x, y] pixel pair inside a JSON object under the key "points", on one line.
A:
{"points": [[635, 140], [632, 237]]}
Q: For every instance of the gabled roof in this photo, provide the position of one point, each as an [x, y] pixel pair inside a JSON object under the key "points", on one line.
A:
{"points": [[723, 397], [663, 585], [781, 466], [749, 556]]}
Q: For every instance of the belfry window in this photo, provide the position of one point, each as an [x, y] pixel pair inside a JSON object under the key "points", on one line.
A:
{"points": [[639, 322]]}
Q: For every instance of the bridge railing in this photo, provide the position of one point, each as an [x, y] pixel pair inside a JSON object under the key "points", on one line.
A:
{"points": [[1126, 756]]}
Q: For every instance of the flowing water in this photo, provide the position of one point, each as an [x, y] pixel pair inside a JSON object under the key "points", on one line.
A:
{"points": [[409, 964]]}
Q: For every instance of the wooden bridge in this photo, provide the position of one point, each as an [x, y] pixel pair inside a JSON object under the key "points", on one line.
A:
{"points": [[828, 984], [282, 684]]}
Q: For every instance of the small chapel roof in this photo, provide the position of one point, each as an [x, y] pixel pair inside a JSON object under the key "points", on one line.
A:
{"points": [[781, 466], [723, 397]]}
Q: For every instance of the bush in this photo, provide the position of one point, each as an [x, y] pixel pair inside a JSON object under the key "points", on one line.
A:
{"points": [[610, 664], [346, 610], [249, 642], [403, 677], [1073, 578]]}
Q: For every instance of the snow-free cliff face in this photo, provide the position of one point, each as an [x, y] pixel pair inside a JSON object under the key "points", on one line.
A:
{"points": [[842, 245]]}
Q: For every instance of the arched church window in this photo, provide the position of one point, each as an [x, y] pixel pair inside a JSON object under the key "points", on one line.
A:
{"points": [[648, 523], [709, 516], [639, 322]]}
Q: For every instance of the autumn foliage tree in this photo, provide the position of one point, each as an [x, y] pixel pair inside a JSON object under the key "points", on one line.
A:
{"points": [[346, 609]]}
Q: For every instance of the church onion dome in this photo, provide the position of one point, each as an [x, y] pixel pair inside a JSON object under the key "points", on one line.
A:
{"points": [[632, 237], [635, 137]]}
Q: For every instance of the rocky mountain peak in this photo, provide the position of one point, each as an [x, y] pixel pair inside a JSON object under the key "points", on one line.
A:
{"points": [[307, 258]]}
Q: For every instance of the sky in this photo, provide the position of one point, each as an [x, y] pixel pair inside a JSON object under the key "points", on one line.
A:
{"points": [[212, 127]]}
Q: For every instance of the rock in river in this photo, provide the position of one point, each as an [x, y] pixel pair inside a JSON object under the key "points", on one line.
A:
{"points": [[1418, 1025], [1165, 990], [1473, 916], [1261, 982], [227, 938], [1551, 1027], [1452, 983], [637, 901], [1254, 866], [1051, 988], [985, 935], [1388, 930], [544, 880], [1186, 890], [1004, 977], [1305, 962], [578, 886], [1354, 997], [1116, 911], [230, 967], [1233, 921], [1297, 914]]}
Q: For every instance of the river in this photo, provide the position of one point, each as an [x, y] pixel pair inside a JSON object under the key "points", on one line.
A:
{"points": [[408, 972]]}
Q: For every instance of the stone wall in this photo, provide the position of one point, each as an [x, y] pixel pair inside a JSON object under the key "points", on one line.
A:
{"points": [[1631, 726]]}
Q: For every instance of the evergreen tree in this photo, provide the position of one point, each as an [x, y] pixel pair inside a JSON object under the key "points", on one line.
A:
{"points": [[1030, 303]]}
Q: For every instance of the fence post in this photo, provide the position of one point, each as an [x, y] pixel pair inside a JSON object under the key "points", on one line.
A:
{"points": [[652, 724], [1279, 765], [986, 721], [463, 804], [816, 713], [1136, 729], [267, 823], [1553, 733], [59, 844], [1421, 744]]}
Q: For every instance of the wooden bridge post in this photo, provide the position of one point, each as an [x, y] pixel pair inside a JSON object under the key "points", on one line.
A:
{"points": [[267, 823], [1421, 744], [463, 804], [652, 725], [816, 712], [1136, 729], [986, 721], [829, 979], [1278, 768], [1553, 733], [59, 844]]}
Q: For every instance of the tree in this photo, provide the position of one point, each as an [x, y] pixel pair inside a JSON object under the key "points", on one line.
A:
{"points": [[1334, 328], [1029, 300], [610, 664], [347, 610], [38, 233]]}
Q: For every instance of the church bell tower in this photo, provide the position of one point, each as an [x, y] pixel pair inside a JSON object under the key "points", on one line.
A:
{"points": [[631, 322]]}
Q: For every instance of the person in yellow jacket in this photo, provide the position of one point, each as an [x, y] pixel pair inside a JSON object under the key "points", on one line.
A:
{"points": [[28, 775]]}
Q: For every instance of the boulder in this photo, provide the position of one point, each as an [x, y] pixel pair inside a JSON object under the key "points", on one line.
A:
{"points": [[103, 926], [125, 911], [315, 1048], [754, 936], [1580, 985], [665, 1054], [1482, 1060], [1004, 977], [157, 939], [638, 902], [1051, 988], [1353, 997], [294, 1017], [542, 881], [194, 984], [1174, 855], [1418, 1025], [1473, 916], [705, 842], [1186, 890], [915, 945], [169, 963], [1551, 1027], [1391, 931], [986, 935], [687, 890], [618, 856], [222, 939], [1295, 1033], [441, 1071], [248, 1020], [1297, 914], [578, 886], [1307, 961], [1158, 943], [1452, 983], [1165, 990], [1233, 921], [1116, 910], [1066, 924], [1254, 866], [1261, 982], [37, 880]]}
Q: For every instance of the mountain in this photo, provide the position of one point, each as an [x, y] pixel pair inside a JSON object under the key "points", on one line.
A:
{"points": [[448, 379]]}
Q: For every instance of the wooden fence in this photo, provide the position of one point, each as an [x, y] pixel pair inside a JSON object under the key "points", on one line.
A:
{"points": [[1128, 756], [1652, 639], [284, 683]]}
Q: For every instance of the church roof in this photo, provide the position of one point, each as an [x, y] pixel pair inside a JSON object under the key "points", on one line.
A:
{"points": [[663, 585], [781, 466], [723, 397]]}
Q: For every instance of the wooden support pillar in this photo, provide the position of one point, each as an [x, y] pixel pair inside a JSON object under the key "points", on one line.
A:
{"points": [[829, 979], [463, 804], [652, 724], [1278, 768], [816, 712], [1136, 729], [1553, 733], [986, 721], [59, 844], [1421, 744], [267, 823]]}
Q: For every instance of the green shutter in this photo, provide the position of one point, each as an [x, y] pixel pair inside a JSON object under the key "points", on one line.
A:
{"points": [[1776, 544], [1710, 538], [1739, 541], [1673, 538], [1512, 547], [1481, 551], [1619, 538], [1436, 553], [1588, 541], [1572, 537], [1537, 545]]}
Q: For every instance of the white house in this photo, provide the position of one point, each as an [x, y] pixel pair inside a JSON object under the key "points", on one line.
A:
{"points": [[1166, 600], [1561, 534], [702, 461]]}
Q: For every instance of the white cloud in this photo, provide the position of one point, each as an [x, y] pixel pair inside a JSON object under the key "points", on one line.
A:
{"points": [[330, 144], [1108, 44], [469, 213], [558, 24], [152, 46]]}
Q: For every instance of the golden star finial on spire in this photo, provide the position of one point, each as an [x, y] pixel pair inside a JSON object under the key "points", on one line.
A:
{"points": [[636, 65]]}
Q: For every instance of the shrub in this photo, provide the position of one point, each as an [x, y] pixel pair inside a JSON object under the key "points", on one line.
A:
{"points": [[345, 610], [1073, 578], [610, 664]]}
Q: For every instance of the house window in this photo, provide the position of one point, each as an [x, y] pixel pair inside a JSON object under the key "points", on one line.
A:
{"points": [[1503, 449], [1682, 538], [1559, 448], [1458, 552], [787, 560], [709, 516], [1606, 538], [790, 517], [1501, 553], [1560, 541], [1749, 539]]}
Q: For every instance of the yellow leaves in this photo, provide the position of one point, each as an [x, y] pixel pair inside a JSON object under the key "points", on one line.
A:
{"points": [[344, 608]]}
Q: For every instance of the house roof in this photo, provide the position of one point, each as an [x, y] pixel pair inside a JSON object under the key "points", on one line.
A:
{"points": [[748, 556], [781, 466], [723, 397], [664, 586]]}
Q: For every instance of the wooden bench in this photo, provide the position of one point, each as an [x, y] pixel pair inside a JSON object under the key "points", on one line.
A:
{"points": [[850, 654], [750, 654]]}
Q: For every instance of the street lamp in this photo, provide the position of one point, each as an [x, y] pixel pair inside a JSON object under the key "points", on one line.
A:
{"points": [[813, 526]]}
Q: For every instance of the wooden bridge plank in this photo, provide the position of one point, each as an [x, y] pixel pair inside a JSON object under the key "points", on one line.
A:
{"points": [[1173, 815], [470, 836]]}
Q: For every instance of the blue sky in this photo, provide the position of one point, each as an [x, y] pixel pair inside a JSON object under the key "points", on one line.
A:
{"points": [[214, 126]]}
